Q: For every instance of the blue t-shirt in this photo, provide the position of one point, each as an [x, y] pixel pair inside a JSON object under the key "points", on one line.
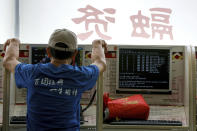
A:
{"points": [[53, 94]]}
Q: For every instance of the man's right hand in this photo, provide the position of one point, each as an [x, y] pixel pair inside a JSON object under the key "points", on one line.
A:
{"points": [[100, 42], [99, 47]]}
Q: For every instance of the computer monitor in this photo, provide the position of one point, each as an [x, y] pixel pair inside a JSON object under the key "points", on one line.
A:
{"points": [[39, 55], [144, 70]]}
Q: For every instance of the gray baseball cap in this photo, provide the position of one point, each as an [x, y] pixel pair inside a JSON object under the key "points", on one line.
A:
{"points": [[65, 36]]}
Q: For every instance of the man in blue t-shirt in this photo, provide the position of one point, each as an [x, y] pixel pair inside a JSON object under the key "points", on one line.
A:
{"points": [[54, 89]]}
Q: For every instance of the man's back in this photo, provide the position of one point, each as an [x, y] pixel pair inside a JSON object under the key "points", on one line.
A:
{"points": [[51, 87], [54, 93]]}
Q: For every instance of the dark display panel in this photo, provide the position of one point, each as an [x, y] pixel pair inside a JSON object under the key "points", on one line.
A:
{"points": [[39, 55], [144, 69]]}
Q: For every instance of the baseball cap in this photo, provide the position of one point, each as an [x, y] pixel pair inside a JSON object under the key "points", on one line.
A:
{"points": [[64, 36]]}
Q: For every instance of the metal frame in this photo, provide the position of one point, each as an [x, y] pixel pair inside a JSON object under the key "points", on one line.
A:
{"points": [[99, 107], [17, 19], [6, 76], [193, 89], [6, 100]]}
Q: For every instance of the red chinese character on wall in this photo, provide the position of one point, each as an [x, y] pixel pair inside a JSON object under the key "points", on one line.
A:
{"points": [[139, 23], [160, 23], [92, 17]]}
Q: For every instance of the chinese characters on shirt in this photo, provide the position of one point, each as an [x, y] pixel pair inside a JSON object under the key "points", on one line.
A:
{"points": [[56, 86]]}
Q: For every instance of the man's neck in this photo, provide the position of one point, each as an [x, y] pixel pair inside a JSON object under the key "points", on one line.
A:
{"points": [[58, 62]]}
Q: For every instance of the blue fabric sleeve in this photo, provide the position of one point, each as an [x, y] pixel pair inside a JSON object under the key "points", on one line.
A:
{"points": [[92, 73], [23, 73]]}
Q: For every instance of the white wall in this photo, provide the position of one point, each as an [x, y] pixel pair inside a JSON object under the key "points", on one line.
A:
{"points": [[7, 19], [38, 19]]}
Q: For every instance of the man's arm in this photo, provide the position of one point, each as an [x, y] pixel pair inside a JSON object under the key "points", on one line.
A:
{"points": [[98, 54], [11, 48]]}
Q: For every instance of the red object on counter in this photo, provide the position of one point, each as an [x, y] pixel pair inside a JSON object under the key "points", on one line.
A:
{"points": [[132, 107]]}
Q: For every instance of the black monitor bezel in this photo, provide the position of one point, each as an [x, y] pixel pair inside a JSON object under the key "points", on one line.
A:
{"points": [[143, 91]]}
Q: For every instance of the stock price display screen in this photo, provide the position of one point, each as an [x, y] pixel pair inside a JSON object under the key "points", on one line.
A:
{"points": [[144, 68]]}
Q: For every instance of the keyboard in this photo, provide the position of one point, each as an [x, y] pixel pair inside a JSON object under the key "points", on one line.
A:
{"points": [[22, 120], [18, 120], [147, 122]]}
